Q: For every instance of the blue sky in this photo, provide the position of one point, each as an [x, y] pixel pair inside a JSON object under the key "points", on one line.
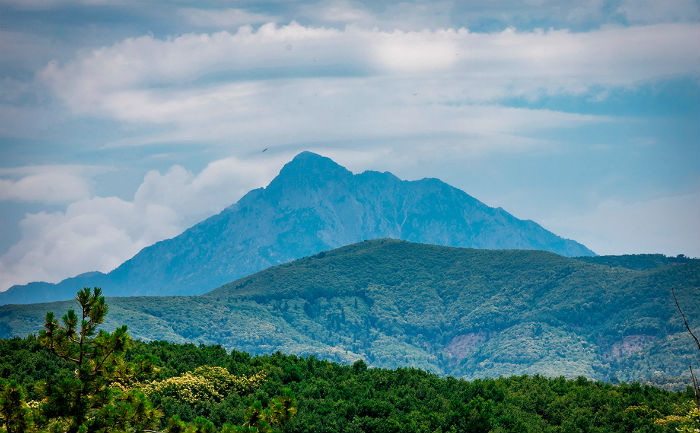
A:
{"points": [[123, 123]]}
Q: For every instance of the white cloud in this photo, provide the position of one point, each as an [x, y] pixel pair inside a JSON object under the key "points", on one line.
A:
{"points": [[358, 84], [82, 169], [44, 188], [92, 234], [413, 52], [557, 61], [403, 15], [277, 112], [590, 10], [667, 225], [99, 233], [340, 12], [51, 4], [218, 185], [50, 184], [653, 11], [229, 18]]}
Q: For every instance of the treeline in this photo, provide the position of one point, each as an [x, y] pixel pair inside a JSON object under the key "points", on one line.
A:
{"points": [[330, 397]]}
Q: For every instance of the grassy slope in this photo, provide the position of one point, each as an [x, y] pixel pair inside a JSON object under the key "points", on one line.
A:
{"points": [[464, 312]]}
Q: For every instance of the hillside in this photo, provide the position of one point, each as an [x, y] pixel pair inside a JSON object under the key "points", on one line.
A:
{"points": [[313, 205], [352, 398], [465, 312], [639, 262]]}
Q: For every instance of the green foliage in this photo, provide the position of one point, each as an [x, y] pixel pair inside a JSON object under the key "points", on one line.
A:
{"points": [[691, 423], [100, 395], [330, 397], [279, 412], [688, 422], [639, 262], [200, 425], [15, 415], [386, 303], [468, 313]]}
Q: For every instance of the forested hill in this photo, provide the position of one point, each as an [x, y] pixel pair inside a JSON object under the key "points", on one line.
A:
{"points": [[465, 312], [331, 398], [640, 262], [313, 205]]}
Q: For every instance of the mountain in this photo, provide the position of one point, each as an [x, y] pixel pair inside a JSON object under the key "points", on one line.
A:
{"points": [[458, 311], [313, 205]]}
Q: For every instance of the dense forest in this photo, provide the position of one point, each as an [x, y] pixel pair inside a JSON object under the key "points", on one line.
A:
{"points": [[639, 262], [453, 311], [161, 386], [332, 397]]}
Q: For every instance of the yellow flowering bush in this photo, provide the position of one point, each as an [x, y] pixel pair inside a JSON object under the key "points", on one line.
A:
{"points": [[204, 383], [688, 422]]}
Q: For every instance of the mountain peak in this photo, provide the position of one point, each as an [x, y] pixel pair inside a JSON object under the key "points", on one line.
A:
{"points": [[308, 155], [314, 204], [312, 161], [310, 168]]}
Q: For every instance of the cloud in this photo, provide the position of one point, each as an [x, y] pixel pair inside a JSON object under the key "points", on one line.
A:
{"points": [[33, 5], [202, 76], [218, 185], [667, 225], [591, 10], [92, 234], [558, 61], [53, 184], [99, 233], [279, 85], [229, 18], [277, 112], [23, 53], [413, 52], [651, 11], [339, 12]]}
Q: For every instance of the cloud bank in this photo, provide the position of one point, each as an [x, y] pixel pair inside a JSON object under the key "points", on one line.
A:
{"points": [[552, 61], [659, 225], [292, 83], [99, 233], [51, 187]]}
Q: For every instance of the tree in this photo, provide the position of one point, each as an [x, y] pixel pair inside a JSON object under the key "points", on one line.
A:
{"points": [[693, 424], [258, 420], [696, 386], [14, 412], [101, 396]]}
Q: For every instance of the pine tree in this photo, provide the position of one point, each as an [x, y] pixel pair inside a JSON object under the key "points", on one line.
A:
{"points": [[14, 412], [101, 396]]}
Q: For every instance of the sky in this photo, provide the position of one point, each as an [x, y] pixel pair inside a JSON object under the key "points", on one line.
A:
{"points": [[123, 123]]}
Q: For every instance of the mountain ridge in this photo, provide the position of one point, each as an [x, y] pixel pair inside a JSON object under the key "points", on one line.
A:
{"points": [[313, 205], [459, 311]]}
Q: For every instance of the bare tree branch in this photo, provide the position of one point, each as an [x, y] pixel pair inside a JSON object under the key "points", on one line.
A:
{"points": [[696, 390], [685, 321], [695, 387]]}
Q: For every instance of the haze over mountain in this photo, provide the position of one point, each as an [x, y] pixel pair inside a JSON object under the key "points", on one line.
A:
{"points": [[313, 205], [463, 312]]}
